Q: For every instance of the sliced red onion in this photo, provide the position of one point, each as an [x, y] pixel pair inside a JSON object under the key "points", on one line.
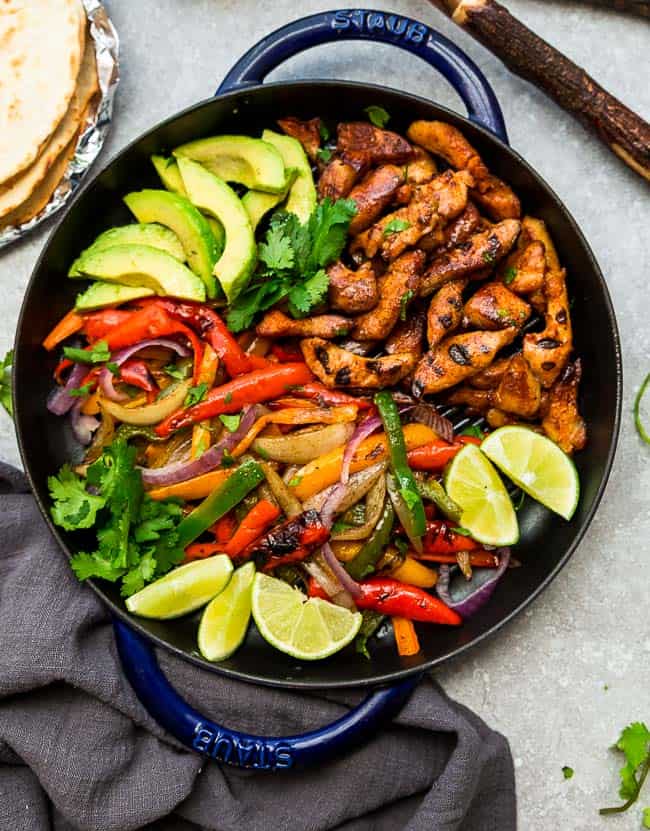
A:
{"points": [[59, 400], [83, 426], [467, 597], [106, 376], [348, 583], [427, 414], [211, 459], [368, 426], [318, 568]]}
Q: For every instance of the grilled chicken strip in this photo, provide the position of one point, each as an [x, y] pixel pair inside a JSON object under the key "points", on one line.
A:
{"points": [[420, 170], [352, 291], [478, 401], [373, 195], [363, 145], [523, 270], [445, 311], [494, 306], [490, 377], [457, 358], [307, 133], [519, 392], [441, 199], [485, 247], [408, 335], [337, 180], [497, 418], [533, 230], [494, 195], [337, 368], [275, 324], [562, 422], [396, 288], [548, 351]]}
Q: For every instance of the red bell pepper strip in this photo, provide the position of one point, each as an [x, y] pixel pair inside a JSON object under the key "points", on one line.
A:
{"points": [[390, 597], [286, 354], [254, 388], [326, 397], [211, 327], [70, 324], [136, 374], [98, 324], [289, 542], [224, 528], [201, 550], [440, 538], [437, 454], [63, 364], [252, 526], [477, 559]]}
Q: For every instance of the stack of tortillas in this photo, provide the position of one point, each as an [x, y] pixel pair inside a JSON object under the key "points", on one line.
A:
{"points": [[48, 80]]}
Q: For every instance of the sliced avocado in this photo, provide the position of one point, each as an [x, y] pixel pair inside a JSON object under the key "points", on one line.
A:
{"points": [[212, 195], [109, 294], [249, 161], [141, 234], [258, 203], [144, 267], [167, 170], [217, 232], [179, 214], [302, 196]]}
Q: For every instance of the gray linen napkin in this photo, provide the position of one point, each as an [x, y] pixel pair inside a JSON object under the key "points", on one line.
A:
{"points": [[78, 751]]}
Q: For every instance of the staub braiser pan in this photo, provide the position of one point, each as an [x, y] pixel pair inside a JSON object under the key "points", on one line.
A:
{"points": [[243, 104]]}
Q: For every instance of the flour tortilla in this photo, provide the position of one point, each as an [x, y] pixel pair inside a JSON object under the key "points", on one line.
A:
{"points": [[21, 187], [41, 196], [41, 46]]}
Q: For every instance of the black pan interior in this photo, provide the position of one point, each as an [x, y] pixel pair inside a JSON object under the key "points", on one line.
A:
{"points": [[547, 541]]}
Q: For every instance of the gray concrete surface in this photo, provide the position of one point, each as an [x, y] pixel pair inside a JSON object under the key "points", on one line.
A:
{"points": [[566, 676]]}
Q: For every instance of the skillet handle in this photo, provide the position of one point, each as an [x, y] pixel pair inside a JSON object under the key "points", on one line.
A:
{"points": [[364, 24], [206, 737]]}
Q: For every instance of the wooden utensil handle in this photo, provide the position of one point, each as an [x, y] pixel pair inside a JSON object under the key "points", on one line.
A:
{"points": [[532, 58], [640, 7]]}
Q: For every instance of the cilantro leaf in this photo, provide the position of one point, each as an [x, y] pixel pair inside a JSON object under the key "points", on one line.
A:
{"points": [[324, 131], [328, 228], [5, 382], [276, 251], [230, 422], [377, 115], [155, 518], [195, 394], [509, 276], [97, 354], [567, 772], [87, 565], [302, 299], [395, 226], [74, 507], [370, 623], [404, 300], [80, 392], [324, 155], [463, 532], [472, 430], [634, 743], [646, 817], [136, 578], [180, 373]]}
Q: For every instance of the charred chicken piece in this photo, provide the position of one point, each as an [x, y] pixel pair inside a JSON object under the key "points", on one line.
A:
{"points": [[441, 199], [408, 335], [494, 306], [420, 170], [519, 392], [396, 288], [307, 133], [457, 358], [535, 230], [490, 377], [561, 420], [275, 324], [548, 351], [445, 311], [477, 401], [362, 145], [481, 249], [463, 227], [446, 141], [523, 270], [337, 180], [352, 291], [289, 542], [498, 418], [373, 195], [337, 368]]}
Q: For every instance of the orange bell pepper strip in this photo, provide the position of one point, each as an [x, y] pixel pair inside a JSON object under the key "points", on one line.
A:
{"points": [[438, 453], [201, 550], [98, 324], [224, 528], [252, 526], [254, 388], [326, 469], [406, 638], [207, 373], [415, 574], [197, 488], [70, 324]]}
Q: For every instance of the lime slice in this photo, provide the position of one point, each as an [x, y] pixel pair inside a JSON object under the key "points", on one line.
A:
{"points": [[308, 629], [225, 619], [183, 590], [537, 465], [474, 484]]}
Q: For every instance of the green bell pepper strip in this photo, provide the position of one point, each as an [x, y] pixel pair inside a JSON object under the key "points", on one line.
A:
{"points": [[247, 477], [432, 490], [407, 486], [364, 563]]}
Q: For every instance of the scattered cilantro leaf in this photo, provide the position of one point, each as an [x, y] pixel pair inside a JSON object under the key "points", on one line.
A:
{"points": [[340, 525], [472, 430], [302, 299], [509, 275], [328, 230], [488, 257], [230, 422], [377, 115], [458, 529], [175, 371], [295, 481], [323, 131], [395, 226], [74, 507], [276, 251], [97, 354], [646, 817], [503, 313], [195, 394], [637, 410], [634, 743], [227, 398], [81, 392], [5, 382], [370, 622], [113, 368], [567, 772], [324, 155], [404, 300]]}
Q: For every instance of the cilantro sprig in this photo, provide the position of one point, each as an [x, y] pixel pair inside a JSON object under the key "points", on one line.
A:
{"points": [[634, 743], [292, 261], [377, 116], [5, 382], [97, 354]]}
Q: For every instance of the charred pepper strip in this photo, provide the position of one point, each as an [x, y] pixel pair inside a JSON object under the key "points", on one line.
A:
{"points": [[406, 484], [328, 398], [432, 490], [440, 538], [223, 499], [254, 388], [390, 597], [365, 561], [437, 454], [289, 542]]}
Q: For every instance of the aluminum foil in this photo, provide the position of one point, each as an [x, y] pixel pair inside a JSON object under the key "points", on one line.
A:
{"points": [[98, 121]]}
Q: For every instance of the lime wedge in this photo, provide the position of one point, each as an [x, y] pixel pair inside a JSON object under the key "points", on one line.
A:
{"points": [[183, 590], [308, 629], [225, 619], [537, 465], [474, 484]]}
